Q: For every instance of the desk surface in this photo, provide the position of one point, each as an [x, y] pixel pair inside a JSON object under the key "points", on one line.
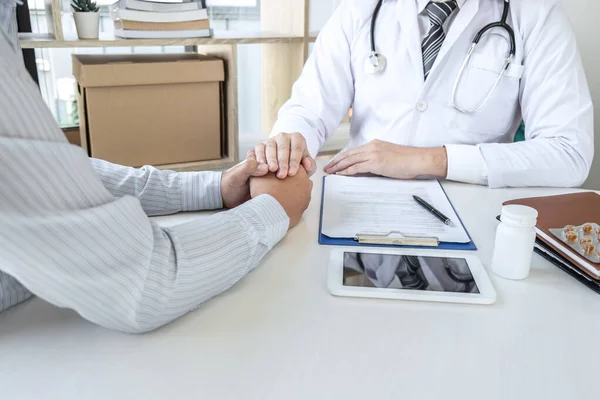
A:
{"points": [[279, 334]]}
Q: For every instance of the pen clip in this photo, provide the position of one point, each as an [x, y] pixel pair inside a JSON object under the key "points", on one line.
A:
{"points": [[403, 240]]}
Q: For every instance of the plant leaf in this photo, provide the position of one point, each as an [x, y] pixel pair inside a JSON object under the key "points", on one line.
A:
{"points": [[85, 6]]}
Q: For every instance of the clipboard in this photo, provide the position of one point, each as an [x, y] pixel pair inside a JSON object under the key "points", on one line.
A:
{"points": [[387, 240]]}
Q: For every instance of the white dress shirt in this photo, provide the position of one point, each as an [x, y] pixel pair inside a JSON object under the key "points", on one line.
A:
{"points": [[76, 233], [545, 86], [472, 168]]}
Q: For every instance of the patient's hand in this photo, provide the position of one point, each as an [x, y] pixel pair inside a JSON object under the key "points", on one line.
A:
{"points": [[235, 183], [293, 192]]}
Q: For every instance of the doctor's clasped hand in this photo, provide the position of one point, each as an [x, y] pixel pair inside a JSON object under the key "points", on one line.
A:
{"points": [[284, 153]]}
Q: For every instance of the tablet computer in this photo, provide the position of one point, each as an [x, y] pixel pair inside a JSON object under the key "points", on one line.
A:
{"points": [[409, 274]]}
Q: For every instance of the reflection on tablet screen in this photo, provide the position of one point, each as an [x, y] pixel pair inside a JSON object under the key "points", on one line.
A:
{"points": [[390, 271]]}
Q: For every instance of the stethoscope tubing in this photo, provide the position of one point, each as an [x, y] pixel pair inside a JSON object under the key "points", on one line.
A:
{"points": [[376, 61]]}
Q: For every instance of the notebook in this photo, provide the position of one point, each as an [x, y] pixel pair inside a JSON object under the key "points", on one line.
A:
{"points": [[560, 211], [567, 266]]}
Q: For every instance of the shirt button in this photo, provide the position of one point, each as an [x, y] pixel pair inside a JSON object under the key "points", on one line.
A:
{"points": [[421, 106]]}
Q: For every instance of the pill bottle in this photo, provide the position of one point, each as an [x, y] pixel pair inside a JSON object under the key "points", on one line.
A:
{"points": [[515, 238]]}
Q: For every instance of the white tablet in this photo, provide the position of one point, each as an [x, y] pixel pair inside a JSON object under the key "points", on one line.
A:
{"points": [[409, 274]]}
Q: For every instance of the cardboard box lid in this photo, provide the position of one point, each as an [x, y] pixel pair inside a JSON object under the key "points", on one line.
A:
{"points": [[98, 70]]}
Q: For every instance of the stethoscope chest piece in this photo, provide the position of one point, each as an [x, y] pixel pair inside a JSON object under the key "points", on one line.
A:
{"points": [[375, 63]]}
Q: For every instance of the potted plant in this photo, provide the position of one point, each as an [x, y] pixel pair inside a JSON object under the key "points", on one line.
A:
{"points": [[87, 18]]}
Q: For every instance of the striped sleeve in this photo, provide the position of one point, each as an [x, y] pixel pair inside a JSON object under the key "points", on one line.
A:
{"points": [[72, 242], [11, 292], [162, 192]]}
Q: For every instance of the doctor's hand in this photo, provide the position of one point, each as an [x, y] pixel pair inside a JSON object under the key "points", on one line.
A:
{"points": [[235, 183], [284, 154], [390, 160], [293, 193]]}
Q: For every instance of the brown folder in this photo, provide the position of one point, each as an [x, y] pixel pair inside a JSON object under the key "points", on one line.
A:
{"points": [[560, 211], [162, 26]]}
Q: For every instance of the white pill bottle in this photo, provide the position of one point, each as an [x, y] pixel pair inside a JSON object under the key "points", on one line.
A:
{"points": [[515, 238]]}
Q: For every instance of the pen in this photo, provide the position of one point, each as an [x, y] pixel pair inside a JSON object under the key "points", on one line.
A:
{"points": [[433, 211]]}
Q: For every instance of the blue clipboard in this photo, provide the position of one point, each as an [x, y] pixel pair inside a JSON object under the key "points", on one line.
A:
{"points": [[328, 241]]}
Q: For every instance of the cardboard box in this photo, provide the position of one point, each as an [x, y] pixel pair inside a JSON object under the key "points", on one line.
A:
{"points": [[72, 135], [151, 109]]}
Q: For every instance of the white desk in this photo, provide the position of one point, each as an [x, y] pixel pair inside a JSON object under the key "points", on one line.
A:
{"points": [[278, 334]]}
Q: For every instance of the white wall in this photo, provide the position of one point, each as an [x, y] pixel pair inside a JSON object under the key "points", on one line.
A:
{"points": [[584, 18], [319, 13]]}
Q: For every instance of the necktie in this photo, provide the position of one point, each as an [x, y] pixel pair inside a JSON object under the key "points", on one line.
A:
{"points": [[438, 13]]}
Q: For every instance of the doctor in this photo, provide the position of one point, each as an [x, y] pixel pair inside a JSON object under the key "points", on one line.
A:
{"points": [[427, 101]]}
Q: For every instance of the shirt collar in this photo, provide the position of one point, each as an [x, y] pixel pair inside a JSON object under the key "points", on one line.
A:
{"points": [[421, 4]]}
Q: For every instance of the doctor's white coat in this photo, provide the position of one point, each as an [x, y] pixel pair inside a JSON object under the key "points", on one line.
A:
{"points": [[545, 87]]}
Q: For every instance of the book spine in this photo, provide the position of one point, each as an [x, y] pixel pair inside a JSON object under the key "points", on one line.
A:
{"points": [[163, 26], [127, 34], [148, 16], [140, 5]]}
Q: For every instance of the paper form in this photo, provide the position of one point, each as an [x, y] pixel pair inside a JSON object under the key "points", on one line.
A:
{"points": [[372, 205]]}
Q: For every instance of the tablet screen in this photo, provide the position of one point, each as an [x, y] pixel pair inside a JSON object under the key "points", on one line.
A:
{"points": [[438, 274]]}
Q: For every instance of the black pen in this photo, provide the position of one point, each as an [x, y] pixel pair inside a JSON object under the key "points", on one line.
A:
{"points": [[433, 210]]}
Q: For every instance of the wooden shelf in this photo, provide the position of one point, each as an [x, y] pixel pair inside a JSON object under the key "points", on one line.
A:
{"points": [[33, 41]]}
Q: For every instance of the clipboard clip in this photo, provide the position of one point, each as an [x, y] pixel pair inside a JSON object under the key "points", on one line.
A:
{"points": [[396, 238]]}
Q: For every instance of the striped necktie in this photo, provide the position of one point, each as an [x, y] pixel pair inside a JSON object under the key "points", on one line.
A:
{"points": [[438, 13]]}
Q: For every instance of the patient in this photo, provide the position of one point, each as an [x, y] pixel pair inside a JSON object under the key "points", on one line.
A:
{"points": [[76, 232]]}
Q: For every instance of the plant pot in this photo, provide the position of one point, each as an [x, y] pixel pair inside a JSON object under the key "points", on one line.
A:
{"points": [[87, 24]]}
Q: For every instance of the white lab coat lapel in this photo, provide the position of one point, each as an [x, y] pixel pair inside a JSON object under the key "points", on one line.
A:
{"points": [[407, 14], [464, 17]]}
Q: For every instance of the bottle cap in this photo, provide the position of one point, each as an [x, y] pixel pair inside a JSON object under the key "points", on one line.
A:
{"points": [[521, 216]]}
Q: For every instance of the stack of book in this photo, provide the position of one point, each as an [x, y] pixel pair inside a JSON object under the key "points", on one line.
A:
{"points": [[142, 19]]}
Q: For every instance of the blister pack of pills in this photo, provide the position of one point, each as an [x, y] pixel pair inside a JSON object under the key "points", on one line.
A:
{"points": [[584, 239]]}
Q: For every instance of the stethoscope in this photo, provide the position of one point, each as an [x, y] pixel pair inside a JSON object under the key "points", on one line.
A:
{"points": [[376, 62]]}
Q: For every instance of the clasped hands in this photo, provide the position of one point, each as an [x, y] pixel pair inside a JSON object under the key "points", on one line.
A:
{"points": [[281, 167], [251, 179]]}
